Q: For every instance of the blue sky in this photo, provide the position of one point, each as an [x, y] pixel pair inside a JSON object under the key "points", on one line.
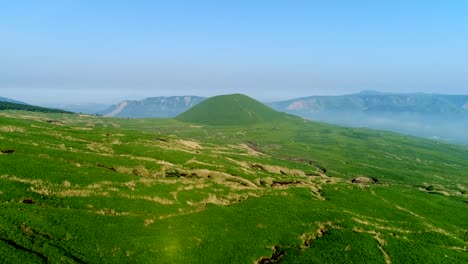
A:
{"points": [[105, 51]]}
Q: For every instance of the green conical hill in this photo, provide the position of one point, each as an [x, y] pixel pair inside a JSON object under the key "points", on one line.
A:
{"points": [[233, 109]]}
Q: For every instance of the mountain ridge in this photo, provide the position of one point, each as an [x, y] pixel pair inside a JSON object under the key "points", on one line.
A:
{"points": [[156, 107], [378, 102]]}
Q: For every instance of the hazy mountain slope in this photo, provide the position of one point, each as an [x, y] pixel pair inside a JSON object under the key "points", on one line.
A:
{"points": [[153, 107], [26, 107], [85, 108], [3, 99], [367, 102], [427, 115], [234, 109]]}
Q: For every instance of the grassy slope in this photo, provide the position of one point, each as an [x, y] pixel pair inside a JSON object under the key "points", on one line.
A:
{"points": [[235, 109], [102, 193]]}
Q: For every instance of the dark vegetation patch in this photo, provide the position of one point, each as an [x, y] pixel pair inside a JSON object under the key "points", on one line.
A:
{"points": [[308, 161], [54, 122], [27, 250], [284, 183], [107, 167], [275, 257], [8, 151], [174, 174], [28, 201], [253, 146], [280, 252]]}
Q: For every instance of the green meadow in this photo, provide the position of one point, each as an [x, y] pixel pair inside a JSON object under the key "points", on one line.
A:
{"points": [[273, 189]]}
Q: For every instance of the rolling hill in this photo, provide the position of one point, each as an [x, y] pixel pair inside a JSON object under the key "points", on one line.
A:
{"points": [[153, 107], [234, 109]]}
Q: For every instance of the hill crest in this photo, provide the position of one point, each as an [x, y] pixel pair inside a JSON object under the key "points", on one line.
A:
{"points": [[231, 109]]}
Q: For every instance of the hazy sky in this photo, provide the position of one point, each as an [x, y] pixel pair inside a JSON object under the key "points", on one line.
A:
{"points": [[105, 51]]}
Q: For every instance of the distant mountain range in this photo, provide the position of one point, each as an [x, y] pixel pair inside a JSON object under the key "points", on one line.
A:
{"points": [[372, 102], [426, 115], [367, 102], [153, 107]]}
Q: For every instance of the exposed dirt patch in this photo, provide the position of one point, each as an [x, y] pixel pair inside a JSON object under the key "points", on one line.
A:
{"points": [[243, 164], [223, 200], [283, 170], [22, 180], [82, 128], [78, 193], [189, 144], [11, 129], [222, 178], [194, 160], [380, 227], [107, 211], [155, 199], [161, 162], [364, 180], [99, 147], [148, 222], [251, 149]]}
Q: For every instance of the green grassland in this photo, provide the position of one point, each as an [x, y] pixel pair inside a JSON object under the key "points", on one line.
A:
{"points": [[85, 189]]}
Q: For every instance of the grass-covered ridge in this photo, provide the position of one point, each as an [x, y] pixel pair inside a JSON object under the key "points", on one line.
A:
{"points": [[233, 109], [87, 189]]}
